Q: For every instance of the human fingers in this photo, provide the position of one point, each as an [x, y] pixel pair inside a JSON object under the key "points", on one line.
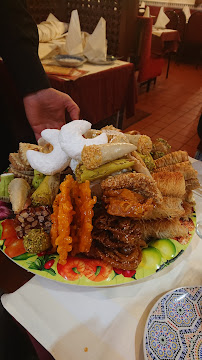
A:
{"points": [[72, 108]]}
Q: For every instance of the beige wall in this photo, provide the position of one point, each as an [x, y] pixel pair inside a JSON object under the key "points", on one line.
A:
{"points": [[170, 3]]}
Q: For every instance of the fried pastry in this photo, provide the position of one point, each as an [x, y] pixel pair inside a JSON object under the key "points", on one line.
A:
{"points": [[172, 158], [27, 175], [170, 207], [185, 168], [170, 183], [94, 156], [18, 192], [17, 163], [136, 182], [23, 147], [192, 184], [139, 165]]}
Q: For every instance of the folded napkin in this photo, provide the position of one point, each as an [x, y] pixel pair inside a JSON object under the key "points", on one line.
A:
{"points": [[96, 43], [162, 20], [187, 12], [51, 29], [147, 12], [47, 50], [142, 7], [74, 39]]}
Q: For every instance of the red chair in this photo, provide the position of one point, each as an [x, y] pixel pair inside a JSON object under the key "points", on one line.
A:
{"points": [[173, 23], [149, 66], [193, 38]]}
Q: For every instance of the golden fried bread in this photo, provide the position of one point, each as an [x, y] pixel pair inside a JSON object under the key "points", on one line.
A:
{"points": [[170, 183], [137, 182], [171, 159]]}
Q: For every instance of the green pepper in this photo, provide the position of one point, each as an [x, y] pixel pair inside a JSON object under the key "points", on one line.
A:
{"points": [[24, 256]]}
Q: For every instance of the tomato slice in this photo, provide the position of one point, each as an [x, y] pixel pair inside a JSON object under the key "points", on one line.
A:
{"points": [[8, 229], [16, 248]]}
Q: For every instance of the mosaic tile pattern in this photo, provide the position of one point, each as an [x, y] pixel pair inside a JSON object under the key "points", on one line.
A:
{"points": [[174, 326]]}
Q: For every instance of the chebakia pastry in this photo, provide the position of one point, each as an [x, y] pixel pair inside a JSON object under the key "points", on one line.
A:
{"points": [[102, 193]]}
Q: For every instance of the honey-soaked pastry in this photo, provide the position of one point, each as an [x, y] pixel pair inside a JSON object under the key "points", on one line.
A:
{"points": [[192, 184], [185, 168], [170, 207], [136, 182], [170, 183], [172, 158]]}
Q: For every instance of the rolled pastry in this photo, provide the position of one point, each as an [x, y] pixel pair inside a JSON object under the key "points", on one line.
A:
{"points": [[143, 143], [95, 155]]}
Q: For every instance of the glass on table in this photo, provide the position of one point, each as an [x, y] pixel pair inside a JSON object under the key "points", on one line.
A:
{"points": [[199, 228]]}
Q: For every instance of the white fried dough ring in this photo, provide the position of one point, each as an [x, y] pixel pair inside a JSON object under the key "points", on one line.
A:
{"points": [[55, 161], [72, 141]]}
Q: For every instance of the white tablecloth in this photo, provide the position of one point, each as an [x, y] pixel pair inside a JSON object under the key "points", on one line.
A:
{"points": [[91, 68], [159, 32], [110, 321]]}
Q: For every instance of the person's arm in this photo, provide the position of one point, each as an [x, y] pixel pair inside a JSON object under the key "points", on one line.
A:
{"points": [[199, 127], [19, 47], [44, 106]]}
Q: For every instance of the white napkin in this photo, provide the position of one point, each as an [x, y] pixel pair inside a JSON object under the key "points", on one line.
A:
{"points": [[51, 29], [47, 50], [187, 12], [162, 20], [96, 44], [74, 39], [142, 7], [147, 12]]}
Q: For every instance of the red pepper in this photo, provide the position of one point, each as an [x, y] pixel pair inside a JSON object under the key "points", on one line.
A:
{"points": [[42, 253], [128, 273], [118, 271], [49, 264], [125, 273]]}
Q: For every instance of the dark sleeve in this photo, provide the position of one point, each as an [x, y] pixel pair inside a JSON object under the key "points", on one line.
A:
{"points": [[19, 47], [199, 128]]}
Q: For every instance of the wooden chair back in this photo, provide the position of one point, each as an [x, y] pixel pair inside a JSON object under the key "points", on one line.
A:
{"points": [[120, 16]]}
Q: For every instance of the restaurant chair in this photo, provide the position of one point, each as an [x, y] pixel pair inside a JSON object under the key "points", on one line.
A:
{"points": [[149, 66], [181, 29], [120, 17], [173, 23], [192, 45], [181, 23]]}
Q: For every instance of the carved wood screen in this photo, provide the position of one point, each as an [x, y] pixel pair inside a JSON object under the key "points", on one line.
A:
{"points": [[120, 16]]}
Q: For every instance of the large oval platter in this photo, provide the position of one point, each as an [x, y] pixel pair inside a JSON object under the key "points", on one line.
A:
{"points": [[91, 272]]}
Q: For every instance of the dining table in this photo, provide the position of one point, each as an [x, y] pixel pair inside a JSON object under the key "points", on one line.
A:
{"points": [[103, 91], [96, 322], [165, 42]]}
